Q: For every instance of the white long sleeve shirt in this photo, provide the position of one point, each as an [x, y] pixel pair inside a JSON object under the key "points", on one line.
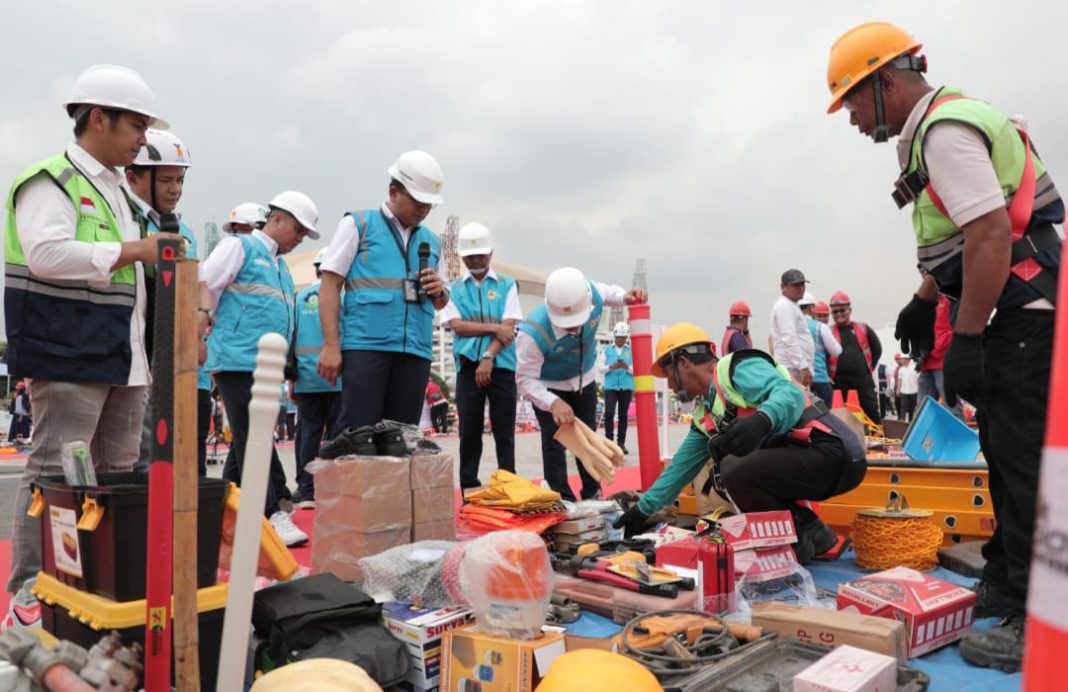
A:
{"points": [[791, 341], [530, 359], [830, 344], [341, 252], [220, 269], [46, 222], [512, 309]]}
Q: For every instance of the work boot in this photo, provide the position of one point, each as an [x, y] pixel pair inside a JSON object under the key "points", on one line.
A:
{"points": [[389, 440], [993, 602], [813, 536], [1000, 647], [358, 441]]}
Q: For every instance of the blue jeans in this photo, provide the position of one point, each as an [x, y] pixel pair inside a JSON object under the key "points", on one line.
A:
{"points": [[931, 386]]}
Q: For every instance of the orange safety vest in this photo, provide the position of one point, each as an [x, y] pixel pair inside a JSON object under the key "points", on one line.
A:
{"points": [[724, 348]]}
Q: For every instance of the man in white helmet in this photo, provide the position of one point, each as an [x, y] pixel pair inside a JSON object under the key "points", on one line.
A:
{"points": [[482, 313], [156, 180], [318, 401], [245, 218], [75, 296], [616, 363], [557, 364], [247, 283], [386, 260]]}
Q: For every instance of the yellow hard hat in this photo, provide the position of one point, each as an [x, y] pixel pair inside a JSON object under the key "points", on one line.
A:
{"points": [[317, 675], [861, 51], [585, 670], [678, 335]]}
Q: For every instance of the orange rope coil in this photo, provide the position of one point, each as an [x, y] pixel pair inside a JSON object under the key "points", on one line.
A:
{"points": [[883, 542]]}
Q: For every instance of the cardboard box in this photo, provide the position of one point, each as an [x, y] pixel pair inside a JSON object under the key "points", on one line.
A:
{"points": [[421, 629], [431, 471], [362, 476], [833, 628], [497, 664], [934, 611], [444, 530], [759, 530], [365, 513], [580, 526], [847, 669], [566, 540], [338, 549], [764, 564], [433, 504]]}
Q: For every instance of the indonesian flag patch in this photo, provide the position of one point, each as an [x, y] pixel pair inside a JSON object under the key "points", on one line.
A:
{"points": [[88, 207]]}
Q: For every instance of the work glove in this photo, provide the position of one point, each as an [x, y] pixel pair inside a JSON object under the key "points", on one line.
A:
{"points": [[632, 522], [964, 370], [915, 326], [743, 436]]}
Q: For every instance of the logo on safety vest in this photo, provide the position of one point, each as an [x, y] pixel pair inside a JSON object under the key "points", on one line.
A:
{"points": [[491, 295], [88, 207], [261, 262], [312, 300]]}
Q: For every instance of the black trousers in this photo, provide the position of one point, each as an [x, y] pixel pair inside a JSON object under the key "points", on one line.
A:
{"points": [[203, 423], [470, 404], [865, 389], [378, 385], [236, 391], [612, 398], [824, 391], [439, 417], [1018, 345], [885, 404], [908, 407], [553, 454], [316, 418]]}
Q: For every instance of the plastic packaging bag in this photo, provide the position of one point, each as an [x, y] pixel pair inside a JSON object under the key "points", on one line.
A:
{"points": [[508, 581], [426, 572], [77, 464], [770, 578]]}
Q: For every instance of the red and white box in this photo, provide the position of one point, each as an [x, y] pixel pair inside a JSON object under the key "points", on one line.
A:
{"points": [[849, 669], [934, 611], [764, 564], [759, 530]]}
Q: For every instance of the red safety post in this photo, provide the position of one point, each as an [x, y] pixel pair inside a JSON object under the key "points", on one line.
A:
{"points": [[641, 342], [1047, 607]]}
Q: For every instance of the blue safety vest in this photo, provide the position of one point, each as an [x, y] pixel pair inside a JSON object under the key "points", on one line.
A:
{"points": [[258, 301], [569, 356], [191, 252], [374, 315], [483, 303], [308, 343], [618, 379], [819, 369]]}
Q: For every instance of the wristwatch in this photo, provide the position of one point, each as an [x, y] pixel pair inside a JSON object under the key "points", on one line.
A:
{"points": [[487, 354]]}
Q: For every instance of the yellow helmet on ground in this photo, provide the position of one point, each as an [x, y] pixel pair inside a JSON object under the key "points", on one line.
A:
{"points": [[677, 336], [585, 670], [861, 51], [317, 675]]}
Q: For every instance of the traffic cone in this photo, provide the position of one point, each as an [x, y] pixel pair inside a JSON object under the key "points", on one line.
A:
{"points": [[836, 399], [1047, 607], [853, 401]]}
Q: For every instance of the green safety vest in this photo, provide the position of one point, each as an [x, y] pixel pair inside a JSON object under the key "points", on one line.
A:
{"points": [[60, 329]]}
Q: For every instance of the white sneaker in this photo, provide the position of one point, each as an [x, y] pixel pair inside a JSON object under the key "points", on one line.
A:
{"points": [[287, 530], [24, 610]]}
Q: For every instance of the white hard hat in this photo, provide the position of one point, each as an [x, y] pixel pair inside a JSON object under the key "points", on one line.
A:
{"points": [[808, 299], [474, 239], [112, 86], [301, 207], [319, 257], [421, 176], [252, 213], [568, 298], [621, 329], [163, 148]]}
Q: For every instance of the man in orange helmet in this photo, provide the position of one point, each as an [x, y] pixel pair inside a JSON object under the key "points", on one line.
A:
{"points": [[983, 212], [736, 336]]}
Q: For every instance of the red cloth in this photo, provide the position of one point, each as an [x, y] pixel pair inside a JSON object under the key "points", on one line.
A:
{"points": [[943, 336], [433, 393]]}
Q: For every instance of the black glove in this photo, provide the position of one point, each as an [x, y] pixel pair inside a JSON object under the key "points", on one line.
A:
{"points": [[632, 522], [964, 370], [741, 437], [915, 325]]}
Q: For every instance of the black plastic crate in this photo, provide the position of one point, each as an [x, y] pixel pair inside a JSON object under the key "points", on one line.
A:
{"points": [[113, 556]]}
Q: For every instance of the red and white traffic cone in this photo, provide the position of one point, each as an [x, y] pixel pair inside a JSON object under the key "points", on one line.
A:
{"points": [[1047, 599]]}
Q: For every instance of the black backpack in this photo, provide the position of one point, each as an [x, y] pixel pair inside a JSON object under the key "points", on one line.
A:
{"points": [[321, 616]]}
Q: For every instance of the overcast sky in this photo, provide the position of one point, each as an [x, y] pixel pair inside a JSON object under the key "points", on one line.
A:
{"points": [[590, 134]]}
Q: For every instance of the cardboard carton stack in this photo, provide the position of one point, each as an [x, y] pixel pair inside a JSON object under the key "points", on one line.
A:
{"points": [[433, 498], [363, 506]]}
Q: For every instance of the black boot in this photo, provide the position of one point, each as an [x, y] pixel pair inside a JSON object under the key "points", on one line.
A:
{"points": [[993, 602], [1000, 647], [813, 536]]}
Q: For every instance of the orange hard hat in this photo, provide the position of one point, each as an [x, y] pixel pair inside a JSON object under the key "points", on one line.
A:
{"points": [[740, 308], [861, 51], [839, 298], [680, 335], [822, 308]]}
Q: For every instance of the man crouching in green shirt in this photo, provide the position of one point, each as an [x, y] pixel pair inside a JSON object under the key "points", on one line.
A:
{"points": [[770, 445]]}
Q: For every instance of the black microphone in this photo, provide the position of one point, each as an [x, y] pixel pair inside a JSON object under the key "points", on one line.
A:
{"points": [[424, 263], [168, 223]]}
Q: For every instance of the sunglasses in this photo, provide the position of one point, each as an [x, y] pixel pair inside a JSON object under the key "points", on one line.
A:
{"points": [[839, 311]]}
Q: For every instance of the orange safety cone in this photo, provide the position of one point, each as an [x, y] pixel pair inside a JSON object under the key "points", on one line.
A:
{"points": [[836, 399], [1047, 607], [853, 401]]}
